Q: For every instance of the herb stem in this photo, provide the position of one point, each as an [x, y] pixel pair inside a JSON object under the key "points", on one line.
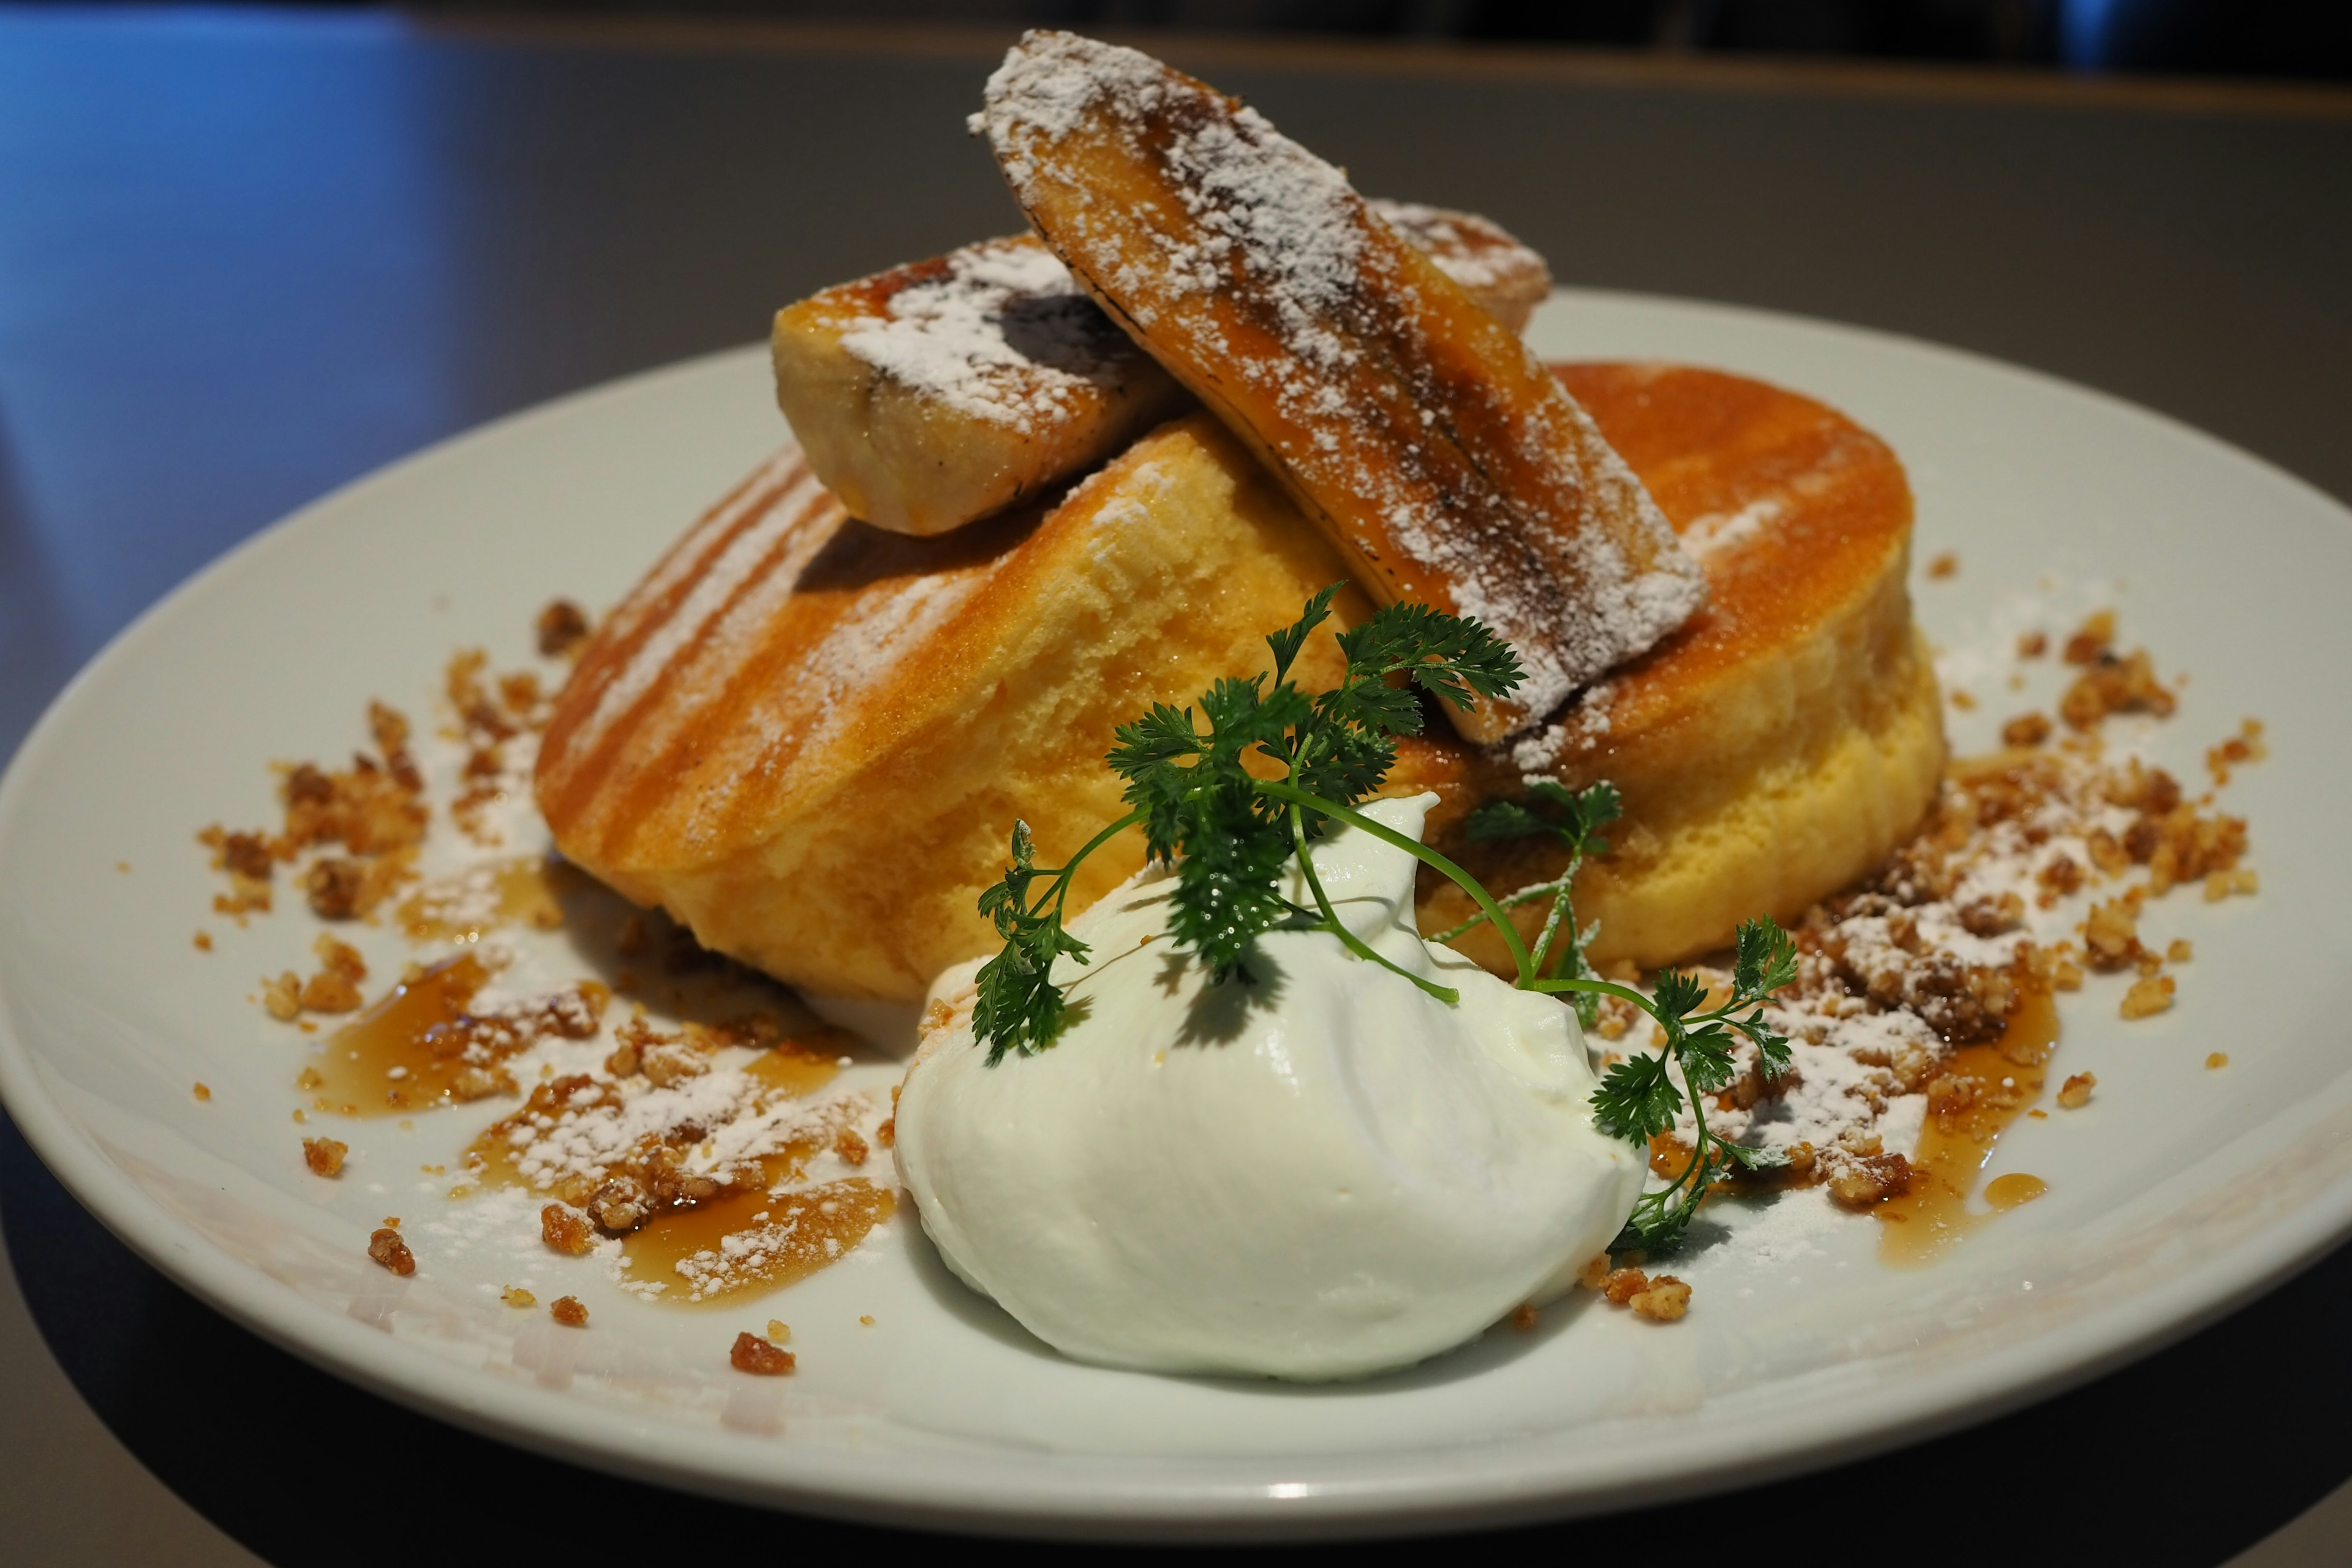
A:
{"points": [[1332, 923], [1295, 797], [1598, 987], [1060, 891], [1526, 895]]}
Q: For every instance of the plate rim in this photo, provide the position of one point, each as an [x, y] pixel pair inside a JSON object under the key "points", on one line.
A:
{"points": [[1070, 1504]]}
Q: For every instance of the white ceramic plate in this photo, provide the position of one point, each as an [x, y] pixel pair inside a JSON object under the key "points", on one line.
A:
{"points": [[2178, 1194]]}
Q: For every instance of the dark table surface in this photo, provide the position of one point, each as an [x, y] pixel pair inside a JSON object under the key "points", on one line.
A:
{"points": [[245, 257]]}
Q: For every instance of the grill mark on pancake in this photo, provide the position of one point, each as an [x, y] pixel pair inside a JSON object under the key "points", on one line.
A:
{"points": [[579, 721], [701, 597], [687, 559], [774, 545], [839, 677], [841, 599]]}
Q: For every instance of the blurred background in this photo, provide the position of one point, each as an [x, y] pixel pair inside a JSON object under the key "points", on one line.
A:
{"points": [[2309, 38]]}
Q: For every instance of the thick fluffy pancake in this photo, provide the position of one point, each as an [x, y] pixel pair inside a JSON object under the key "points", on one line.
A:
{"points": [[809, 738], [1784, 740]]}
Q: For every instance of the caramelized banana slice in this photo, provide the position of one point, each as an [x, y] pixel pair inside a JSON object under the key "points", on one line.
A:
{"points": [[933, 394], [1507, 277], [1446, 463], [944, 391]]}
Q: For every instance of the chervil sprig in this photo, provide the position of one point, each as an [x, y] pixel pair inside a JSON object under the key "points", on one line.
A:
{"points": [[1576, 820], [1020, 1008], [1640, 1100], [1230, 834]]}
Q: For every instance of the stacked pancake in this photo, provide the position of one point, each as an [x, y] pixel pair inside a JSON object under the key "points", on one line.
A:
{"points": [[807, 732]]}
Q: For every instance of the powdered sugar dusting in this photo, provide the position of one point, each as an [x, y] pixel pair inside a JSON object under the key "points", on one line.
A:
{"points": [[1467, 248], [1725, 530], [1005, 334]]}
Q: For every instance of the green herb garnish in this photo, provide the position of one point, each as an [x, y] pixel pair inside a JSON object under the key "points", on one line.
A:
{"points": [[1580, 816], [1230, 835], [1639, 1098]]}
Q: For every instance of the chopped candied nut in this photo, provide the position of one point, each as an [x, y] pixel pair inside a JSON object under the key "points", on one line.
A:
{"points": [[2219, 885], [2148, 996], [516, 1296], [2114, 685], [620, 1205], [1944, 565], [282, 997], [1665, 1301], [779, 1331], [566, 1231], [561, 626], [755, 1355], [203, 942], [472, 1083], [2218, 1059], [2179, 951], [865, 1319], [850, 1147], [2032, 644], [2107, 853], [1621, 1284], [309, 1079], [1873, 1180], [203, 1090], [324, 1155], [2061, 875], [339, 957], [2092, 639], [247, 855], [1965, 701], [331, 993], [386, 1247], [1992, 917], [2075, 1092], [2111, 934], [1524, 1317], [1951, 1096], [334, 887], [887, 1133], [2026, 730], [673, 1062], [567, 1310], [1595, 1272]]}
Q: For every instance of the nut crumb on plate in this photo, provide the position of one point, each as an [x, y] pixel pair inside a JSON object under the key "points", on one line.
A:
{"points": [[2148, 996], [386, 1247], [753, 1354]]}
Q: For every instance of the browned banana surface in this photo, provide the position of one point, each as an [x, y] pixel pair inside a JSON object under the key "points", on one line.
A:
{"points": [[941, 391], [1505, 277], [1415, 428], [936, 393]]}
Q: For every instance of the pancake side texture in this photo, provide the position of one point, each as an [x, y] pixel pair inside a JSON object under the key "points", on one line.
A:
{"points": [[808, 739]]}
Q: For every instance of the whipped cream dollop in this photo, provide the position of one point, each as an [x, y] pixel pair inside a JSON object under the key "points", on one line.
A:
{"points": [[1321, 1171]]}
